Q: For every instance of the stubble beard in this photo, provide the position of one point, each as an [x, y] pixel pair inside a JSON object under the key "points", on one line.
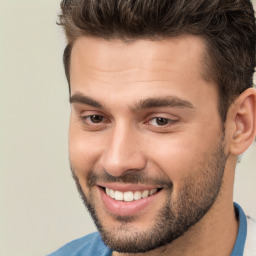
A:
{"points": [[199, 192]]}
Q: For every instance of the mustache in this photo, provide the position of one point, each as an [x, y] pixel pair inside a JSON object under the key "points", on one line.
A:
{"points": [[137, 177]]}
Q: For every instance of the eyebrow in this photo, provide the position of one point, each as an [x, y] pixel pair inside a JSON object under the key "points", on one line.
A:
{"points": [[157, 102], [80, 98]]}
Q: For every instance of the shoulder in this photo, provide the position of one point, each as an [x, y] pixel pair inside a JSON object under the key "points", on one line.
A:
{"points": [[91, 244], [250, 245]]}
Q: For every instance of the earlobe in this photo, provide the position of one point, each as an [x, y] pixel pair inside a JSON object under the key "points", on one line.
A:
{"points": [[244, 120]]}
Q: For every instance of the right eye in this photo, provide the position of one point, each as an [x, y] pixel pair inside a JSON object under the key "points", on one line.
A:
{"points": [[95, 119], [93, 122]]}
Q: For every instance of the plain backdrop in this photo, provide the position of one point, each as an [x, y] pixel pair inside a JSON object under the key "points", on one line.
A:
{"points": [[40, 207]]}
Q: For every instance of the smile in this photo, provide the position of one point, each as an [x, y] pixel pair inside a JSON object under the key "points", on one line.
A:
{"points": [[128, 199], [129, 196]]}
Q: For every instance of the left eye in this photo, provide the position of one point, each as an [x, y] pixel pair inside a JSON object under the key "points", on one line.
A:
{"points": [[159, 121]]}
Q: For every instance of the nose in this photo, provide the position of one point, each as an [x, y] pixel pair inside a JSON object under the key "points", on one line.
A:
{"points": [[123, 153]]}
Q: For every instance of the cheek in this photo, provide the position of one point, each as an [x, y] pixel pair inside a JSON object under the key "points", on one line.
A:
{"points": [[180, 156], [83, 151]]}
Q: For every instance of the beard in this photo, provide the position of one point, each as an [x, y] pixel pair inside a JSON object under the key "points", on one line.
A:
{"points": [[199, 190]]}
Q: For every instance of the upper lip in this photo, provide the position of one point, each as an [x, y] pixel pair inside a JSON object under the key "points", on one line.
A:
{"points": [[127, 187]]}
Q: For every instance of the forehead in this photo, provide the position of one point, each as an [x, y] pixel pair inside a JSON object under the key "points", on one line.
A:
{"points": [[185, 52], [175, 65]]}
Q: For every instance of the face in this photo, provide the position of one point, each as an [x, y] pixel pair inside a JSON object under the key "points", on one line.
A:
{"points": [[146, 141]]}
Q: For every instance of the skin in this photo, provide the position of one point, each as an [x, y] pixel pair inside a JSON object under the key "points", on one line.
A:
{"points": [[116, 77]]}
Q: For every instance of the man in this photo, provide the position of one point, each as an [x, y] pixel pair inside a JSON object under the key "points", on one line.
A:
{"points": [[162, 106]]}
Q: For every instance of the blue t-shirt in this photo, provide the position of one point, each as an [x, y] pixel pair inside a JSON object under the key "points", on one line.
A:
{"points": [[92, 244]]}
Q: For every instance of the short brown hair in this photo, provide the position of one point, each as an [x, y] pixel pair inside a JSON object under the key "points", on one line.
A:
{"points": [[227, 26]]}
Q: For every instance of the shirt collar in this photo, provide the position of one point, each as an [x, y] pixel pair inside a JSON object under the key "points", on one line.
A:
{"points": [[242, 231]]}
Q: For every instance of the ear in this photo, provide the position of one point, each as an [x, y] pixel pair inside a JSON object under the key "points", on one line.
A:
{"points": [[242, 120]]}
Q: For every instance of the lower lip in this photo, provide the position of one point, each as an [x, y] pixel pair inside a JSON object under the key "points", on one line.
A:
{"points": [[122, 208]]}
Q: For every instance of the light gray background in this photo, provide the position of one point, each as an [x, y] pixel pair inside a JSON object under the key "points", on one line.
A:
{"points": [[40, 208]]}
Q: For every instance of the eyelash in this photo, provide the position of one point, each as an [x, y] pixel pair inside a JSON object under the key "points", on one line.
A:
{"points": [[167, 121], [87, 121]]}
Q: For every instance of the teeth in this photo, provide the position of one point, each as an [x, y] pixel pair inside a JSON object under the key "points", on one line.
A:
{"points": [[112, 193], [152, 191], [107, 191], [129, 196], [145, 194], [137, 195], [119, 196]]}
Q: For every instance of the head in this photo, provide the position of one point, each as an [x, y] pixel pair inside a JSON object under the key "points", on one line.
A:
{"points": [[227, 27], [158, 92]]}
